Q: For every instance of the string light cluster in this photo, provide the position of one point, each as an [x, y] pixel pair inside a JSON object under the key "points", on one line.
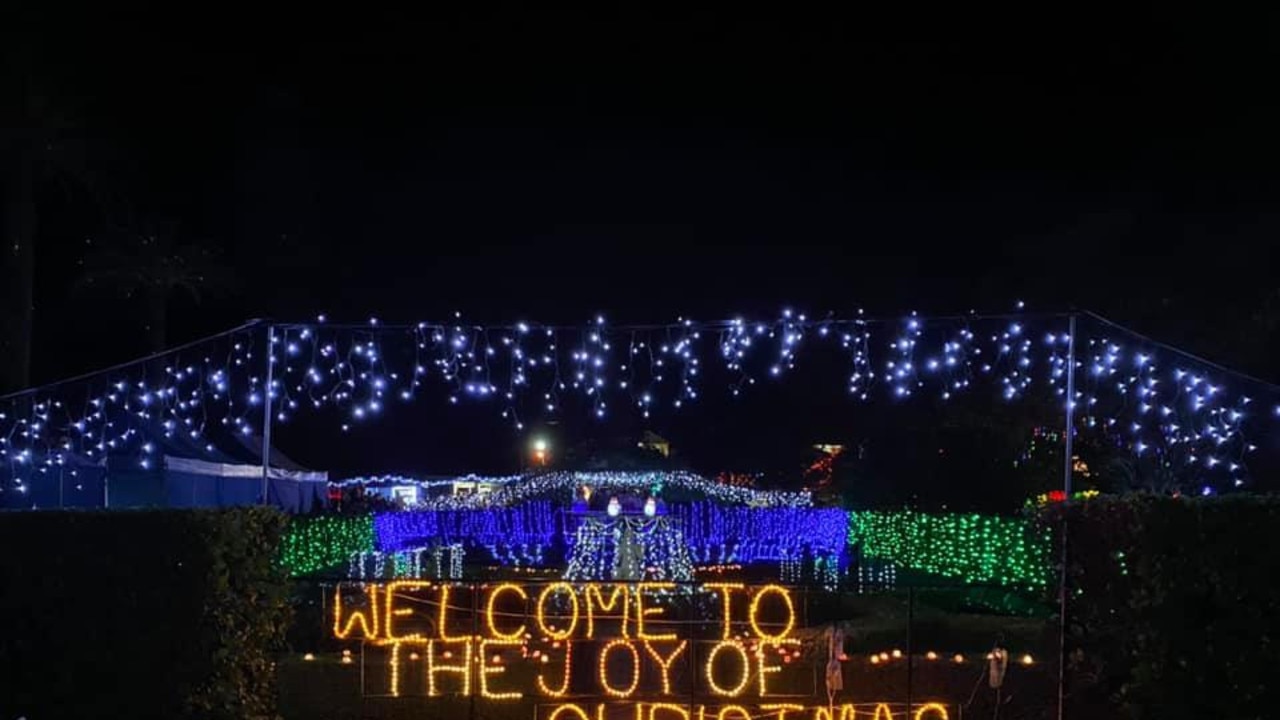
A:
{"points": [[717, 534], [628, 548], [1164, 404], [886, 656], [875, 575], [434, 484], [502, 527], [510, 492], [974, 548], [313, 544], [664, 547], [435, 561], [1057, 496], [776, 711]]}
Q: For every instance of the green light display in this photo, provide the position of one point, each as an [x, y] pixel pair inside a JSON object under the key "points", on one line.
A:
{"points": [[316, 543], [975, 548]]}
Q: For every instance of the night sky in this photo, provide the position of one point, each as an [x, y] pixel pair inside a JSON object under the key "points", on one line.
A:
{"points": [[523, 167]]}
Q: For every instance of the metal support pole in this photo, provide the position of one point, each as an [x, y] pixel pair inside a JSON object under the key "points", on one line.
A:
{"points": [[1066, 501], [266, 411], [475, 633], [911, 621]]}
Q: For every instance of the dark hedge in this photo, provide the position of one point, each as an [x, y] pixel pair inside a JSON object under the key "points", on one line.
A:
{"points": [[1175, 609], [140, 614]]}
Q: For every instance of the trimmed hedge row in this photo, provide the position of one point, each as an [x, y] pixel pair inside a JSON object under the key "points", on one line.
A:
{"points": [[1175, 607], [141, 614]]}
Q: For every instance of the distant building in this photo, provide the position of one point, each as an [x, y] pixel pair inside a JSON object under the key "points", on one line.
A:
{"points": [[655, 443]]}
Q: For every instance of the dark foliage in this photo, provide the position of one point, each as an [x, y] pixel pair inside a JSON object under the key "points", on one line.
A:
{"points": [[1175, 611], [141, 614]]}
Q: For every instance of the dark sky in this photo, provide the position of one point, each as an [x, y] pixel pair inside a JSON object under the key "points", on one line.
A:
{"points": [[518, 165]]}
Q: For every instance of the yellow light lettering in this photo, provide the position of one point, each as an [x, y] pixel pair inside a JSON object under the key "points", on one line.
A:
{"points": [[937, 710], [434, 668], [665, 663], [389, 596], [516, 634], [782, 709], [368, 625], [557, 634], [443, 623], [754, 614], [765, 670], [642, 612], [681, 712], [604, 668], [394, 662], [486, 670], [726, 589], [564, 685], [569, 707], [709, 669], [847, 712], [740, 711], [883, 712], [596, 599]]}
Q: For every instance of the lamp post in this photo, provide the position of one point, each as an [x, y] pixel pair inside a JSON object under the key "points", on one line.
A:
{"points": [[541, 452]]}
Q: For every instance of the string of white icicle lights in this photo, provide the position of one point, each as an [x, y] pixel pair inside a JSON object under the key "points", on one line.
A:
{"points": [[1156, 400]]}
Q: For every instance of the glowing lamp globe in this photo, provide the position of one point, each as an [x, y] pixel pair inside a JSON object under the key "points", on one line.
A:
{"points": [[614, 507], [650, 507]]}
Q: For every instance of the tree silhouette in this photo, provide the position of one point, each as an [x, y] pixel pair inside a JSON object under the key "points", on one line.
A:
{"points": [[36, 148], [150, 265]]}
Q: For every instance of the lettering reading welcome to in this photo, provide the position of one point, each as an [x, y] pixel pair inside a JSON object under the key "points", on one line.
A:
{"points": [[391, 615], [459, 636]]}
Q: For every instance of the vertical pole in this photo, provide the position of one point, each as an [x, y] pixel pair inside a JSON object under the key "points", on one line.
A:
{"points": [[1066, 501], [691, 634], [266, 411], [911, 621], [475, 633]]}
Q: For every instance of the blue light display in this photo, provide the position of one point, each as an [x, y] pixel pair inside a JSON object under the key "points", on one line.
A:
{"points": [[511, 534], [718, 535], [1170, 408]]}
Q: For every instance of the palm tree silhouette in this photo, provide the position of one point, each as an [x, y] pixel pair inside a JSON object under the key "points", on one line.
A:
{"points": [[151, 265]]}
